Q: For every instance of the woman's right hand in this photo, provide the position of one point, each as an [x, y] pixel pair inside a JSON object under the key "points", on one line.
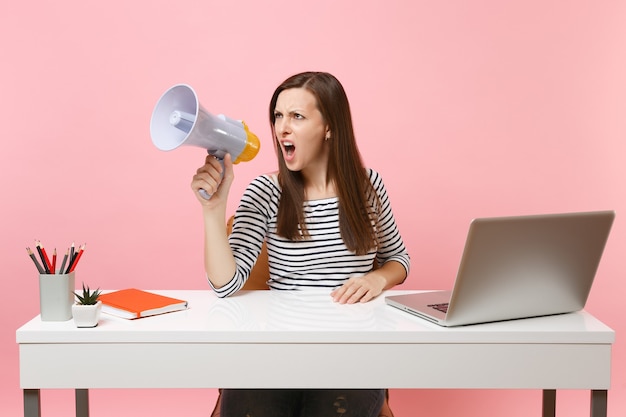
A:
{"points": [[214, 180]]}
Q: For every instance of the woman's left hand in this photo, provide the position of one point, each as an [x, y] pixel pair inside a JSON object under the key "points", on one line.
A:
{"points": [[360, 289]]}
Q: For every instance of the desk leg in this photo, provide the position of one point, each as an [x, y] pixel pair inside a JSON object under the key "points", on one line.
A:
{"points": [[82, 403], [549, 403], [598, 403], [32, 403]]}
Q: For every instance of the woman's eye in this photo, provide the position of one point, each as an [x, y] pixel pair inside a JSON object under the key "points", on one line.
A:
{"points": [[277, 115], [298, 116]]}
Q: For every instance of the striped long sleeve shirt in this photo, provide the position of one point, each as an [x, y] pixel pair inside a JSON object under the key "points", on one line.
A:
{"points": [[321, 261]]}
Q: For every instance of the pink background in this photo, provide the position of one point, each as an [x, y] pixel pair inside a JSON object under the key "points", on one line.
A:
{"points": [[467, 108]]}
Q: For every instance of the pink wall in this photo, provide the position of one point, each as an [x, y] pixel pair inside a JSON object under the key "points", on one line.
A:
{"points": [[468, 108]]}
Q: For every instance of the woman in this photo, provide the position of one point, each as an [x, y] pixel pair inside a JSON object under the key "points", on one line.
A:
{"points": [[327, 222]]}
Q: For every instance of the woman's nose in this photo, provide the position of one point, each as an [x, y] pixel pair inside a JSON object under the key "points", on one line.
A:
{"points": [[282, 126]]}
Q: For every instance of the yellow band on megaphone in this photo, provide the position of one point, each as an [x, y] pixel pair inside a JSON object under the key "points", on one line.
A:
{"points": [[252, 146]]}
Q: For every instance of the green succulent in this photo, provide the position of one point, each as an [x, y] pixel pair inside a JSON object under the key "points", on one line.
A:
{"points": [[89, 297]]}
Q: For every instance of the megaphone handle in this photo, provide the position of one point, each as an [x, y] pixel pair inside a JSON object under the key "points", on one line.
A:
{"points": [[204, 194], [202, 191]]}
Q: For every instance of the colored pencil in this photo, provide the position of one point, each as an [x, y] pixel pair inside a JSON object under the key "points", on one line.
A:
{"points": [[42, 256], [77, 257], [32, 256], [46, 259], [64, 260]]}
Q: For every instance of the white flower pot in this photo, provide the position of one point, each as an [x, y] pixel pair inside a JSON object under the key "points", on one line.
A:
{"points": [[86, 315]]}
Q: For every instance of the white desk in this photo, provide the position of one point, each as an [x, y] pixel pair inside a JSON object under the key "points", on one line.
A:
{"points": [[306, 333]]}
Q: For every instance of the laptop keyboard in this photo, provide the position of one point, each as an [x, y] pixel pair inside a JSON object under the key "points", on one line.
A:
{"points": [[443, 307]]}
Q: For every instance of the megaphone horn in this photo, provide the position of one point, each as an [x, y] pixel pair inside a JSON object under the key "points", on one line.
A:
{"points": [[179, 119]]}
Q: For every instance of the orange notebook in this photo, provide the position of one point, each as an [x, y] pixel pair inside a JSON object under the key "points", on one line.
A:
{"points": [[132, 303]]}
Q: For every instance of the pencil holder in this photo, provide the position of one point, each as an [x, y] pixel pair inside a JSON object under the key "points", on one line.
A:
{"points": [[56, 296]]}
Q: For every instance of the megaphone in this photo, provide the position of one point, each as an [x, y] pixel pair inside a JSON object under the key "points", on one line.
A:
{"points": [[179, 119]]}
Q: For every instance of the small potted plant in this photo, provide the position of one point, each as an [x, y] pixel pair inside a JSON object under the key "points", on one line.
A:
{"points": [[86, 310]]}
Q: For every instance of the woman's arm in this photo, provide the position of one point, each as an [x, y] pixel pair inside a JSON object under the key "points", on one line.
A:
{"points": [[219, 262], [391, 254]]}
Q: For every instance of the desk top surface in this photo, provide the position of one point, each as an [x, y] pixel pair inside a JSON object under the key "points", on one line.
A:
{"points": [[307, 317]]}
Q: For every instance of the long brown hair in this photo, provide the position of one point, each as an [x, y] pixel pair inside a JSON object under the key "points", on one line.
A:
{"points": [[357, 198]]}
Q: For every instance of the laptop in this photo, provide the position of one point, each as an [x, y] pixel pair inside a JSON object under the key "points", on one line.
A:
{"points": [[518, 267]]}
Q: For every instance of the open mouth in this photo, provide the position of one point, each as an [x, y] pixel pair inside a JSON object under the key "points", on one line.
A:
{"points": [[289, 149]]}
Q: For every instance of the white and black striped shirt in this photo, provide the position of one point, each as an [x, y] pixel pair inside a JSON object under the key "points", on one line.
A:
{"points": [[321, 261]]}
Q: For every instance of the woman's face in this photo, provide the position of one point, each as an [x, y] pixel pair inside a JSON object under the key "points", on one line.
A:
{"points": [[301, 131]]}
